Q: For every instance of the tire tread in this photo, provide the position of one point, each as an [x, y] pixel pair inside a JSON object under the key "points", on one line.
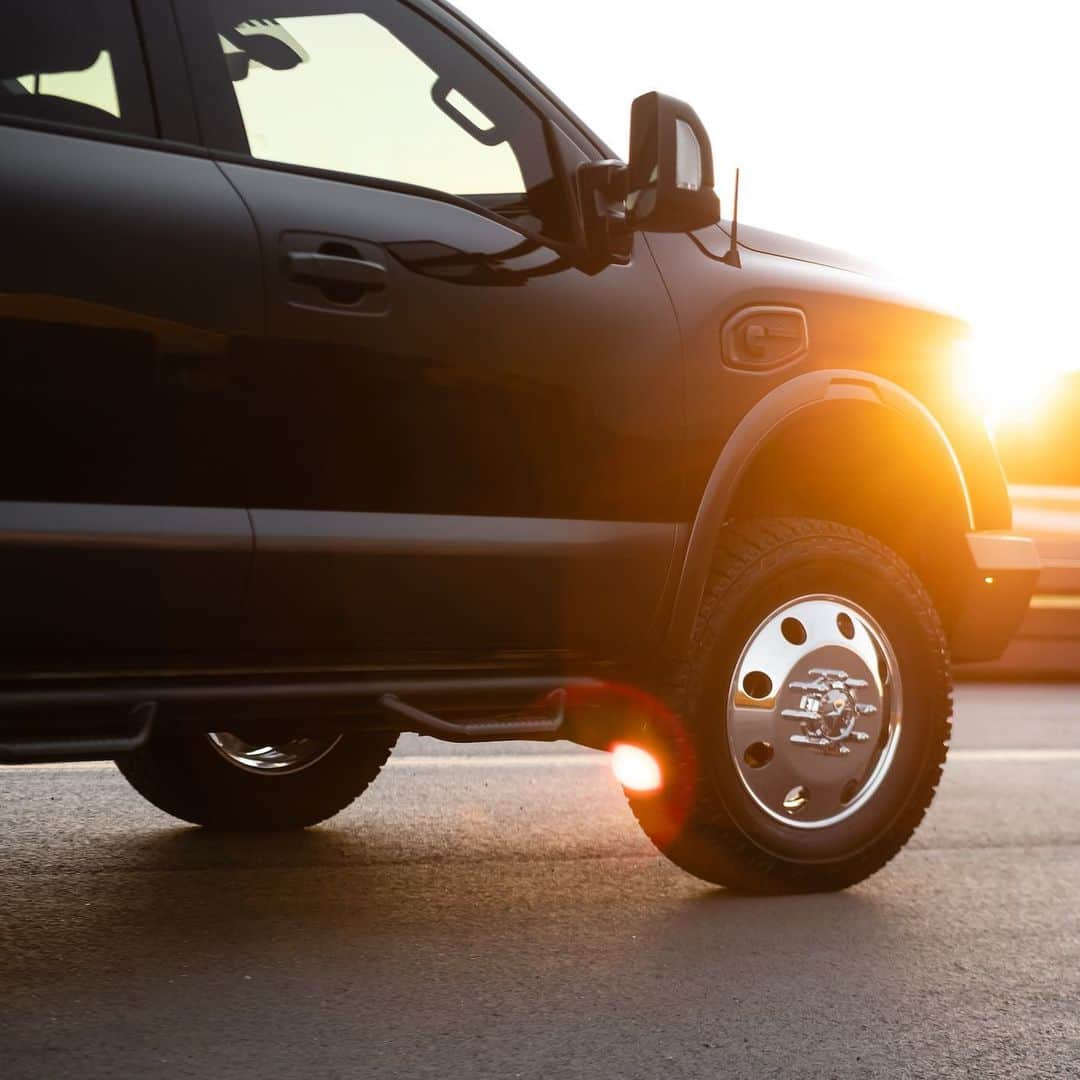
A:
{"points": [[746, 551], [185, 778]]}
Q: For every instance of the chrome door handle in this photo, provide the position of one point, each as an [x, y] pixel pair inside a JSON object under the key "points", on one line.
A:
{"points": [[318, 269]]}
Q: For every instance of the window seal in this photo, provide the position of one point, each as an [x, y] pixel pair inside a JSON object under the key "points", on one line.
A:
{"points": [[148, 75], [120, 138], [167, 71]]}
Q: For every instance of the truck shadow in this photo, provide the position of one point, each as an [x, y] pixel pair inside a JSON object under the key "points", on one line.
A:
{"points": [[276, 941], [172, 899]]}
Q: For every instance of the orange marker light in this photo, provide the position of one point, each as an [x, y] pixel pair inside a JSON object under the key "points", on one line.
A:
{"points": [[636, 769]]}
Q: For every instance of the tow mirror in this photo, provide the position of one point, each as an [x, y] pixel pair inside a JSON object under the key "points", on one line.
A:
{"points": [[667, 187], [670, 177]]}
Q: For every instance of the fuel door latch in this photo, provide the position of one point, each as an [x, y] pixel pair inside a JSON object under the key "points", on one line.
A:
{"points": [[761, 338]]}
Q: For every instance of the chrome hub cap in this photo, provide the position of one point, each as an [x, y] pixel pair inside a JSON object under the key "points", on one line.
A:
{"points": [[814, 712], [828, 711], [289, 756]]}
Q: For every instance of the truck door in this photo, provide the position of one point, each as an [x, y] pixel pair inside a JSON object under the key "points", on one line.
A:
{"points": [[460, 439], [128, 274]]}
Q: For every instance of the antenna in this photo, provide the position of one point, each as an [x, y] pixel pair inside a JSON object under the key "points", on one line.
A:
{"points": [[732, 257]]}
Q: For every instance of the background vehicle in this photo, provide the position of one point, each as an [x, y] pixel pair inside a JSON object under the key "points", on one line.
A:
{"points": [[359, 398], [1038, 449]]}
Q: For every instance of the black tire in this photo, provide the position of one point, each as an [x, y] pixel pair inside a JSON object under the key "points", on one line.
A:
{"points": [[189, 778], [705, 819]]}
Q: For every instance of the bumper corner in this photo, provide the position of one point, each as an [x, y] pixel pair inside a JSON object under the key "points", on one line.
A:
{"points": [[998, 584]]}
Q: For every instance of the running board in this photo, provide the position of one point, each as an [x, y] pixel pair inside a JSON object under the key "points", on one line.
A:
{"points": [[546, 723], [80, 723], [37, 749], [184, 694]]}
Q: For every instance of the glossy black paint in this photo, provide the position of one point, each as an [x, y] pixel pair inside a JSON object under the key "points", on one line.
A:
{"points": [[551, 400], [855, 323], [271, 418], [136, 277]]}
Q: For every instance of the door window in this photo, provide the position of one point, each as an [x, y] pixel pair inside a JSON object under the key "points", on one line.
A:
{"points": [[376, 90], [74, 62]]}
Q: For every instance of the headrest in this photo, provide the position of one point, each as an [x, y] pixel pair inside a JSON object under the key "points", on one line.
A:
{"points": [[47, 36]]}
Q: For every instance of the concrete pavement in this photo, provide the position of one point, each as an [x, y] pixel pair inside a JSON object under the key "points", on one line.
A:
{"points": [[494, 912]]}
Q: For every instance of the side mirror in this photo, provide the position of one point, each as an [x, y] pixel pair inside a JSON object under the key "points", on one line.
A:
{"points": [[670, 176]]}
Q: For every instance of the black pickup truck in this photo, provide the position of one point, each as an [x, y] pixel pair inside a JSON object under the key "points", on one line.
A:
{"points": [[351, 386]]}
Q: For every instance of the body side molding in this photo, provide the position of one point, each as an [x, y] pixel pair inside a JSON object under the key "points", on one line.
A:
{"points": [[359, 533], [101, 526]]}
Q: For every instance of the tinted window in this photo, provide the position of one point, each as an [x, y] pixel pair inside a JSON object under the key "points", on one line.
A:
{"points": [[376, 90], [74, 62]]}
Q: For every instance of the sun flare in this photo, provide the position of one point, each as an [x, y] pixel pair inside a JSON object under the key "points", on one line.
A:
{"points": [[1008, 387], [636, 769]]}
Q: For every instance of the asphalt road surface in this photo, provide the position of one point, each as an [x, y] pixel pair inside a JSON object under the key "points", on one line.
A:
{"points": [[494, 912]]}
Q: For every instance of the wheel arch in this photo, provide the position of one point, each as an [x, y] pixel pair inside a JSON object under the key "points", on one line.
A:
{"points": [[887, 419]]}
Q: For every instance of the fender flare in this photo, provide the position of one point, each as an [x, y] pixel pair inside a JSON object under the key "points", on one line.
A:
{"points": [[772, 413]]}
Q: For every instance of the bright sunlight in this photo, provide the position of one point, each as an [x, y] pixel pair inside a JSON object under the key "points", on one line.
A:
{"points": [[931, 137]]}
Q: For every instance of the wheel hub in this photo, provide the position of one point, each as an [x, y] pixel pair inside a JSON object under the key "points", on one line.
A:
{"points": [[814, 711], [828, 710], [281, 758]]}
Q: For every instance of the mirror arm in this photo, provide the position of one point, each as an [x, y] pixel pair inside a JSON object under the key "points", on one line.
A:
{"points": [[602, 190]]}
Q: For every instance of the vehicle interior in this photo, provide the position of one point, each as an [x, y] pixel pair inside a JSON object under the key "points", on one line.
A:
{"points": [[84, 77]]}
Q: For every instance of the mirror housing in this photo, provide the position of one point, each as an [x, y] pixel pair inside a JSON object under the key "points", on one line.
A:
{"points": [[670, 183]]}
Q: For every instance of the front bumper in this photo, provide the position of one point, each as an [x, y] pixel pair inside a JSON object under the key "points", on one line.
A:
{"points": [[998, 582]]}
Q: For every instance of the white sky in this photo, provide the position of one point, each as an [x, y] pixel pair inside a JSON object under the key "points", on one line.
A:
{"points": [[937, 137]]}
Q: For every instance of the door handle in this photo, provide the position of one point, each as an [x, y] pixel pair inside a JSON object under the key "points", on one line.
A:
{"points": [[319, 269]]}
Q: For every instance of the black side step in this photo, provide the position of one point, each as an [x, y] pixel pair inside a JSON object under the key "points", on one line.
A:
{"points": [[464, 710], [227, 693], [31, 750], [544, 723]]}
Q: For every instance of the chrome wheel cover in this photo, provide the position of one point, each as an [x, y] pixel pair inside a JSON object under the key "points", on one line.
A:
{"points": [[814, 712], [281, 759]]}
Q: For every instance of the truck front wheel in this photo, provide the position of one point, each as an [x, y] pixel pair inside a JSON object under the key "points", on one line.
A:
{"points": [[813, 713]]}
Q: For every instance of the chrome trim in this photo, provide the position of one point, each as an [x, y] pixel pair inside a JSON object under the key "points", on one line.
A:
{"points": [[281, 759], [837, 678]]}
